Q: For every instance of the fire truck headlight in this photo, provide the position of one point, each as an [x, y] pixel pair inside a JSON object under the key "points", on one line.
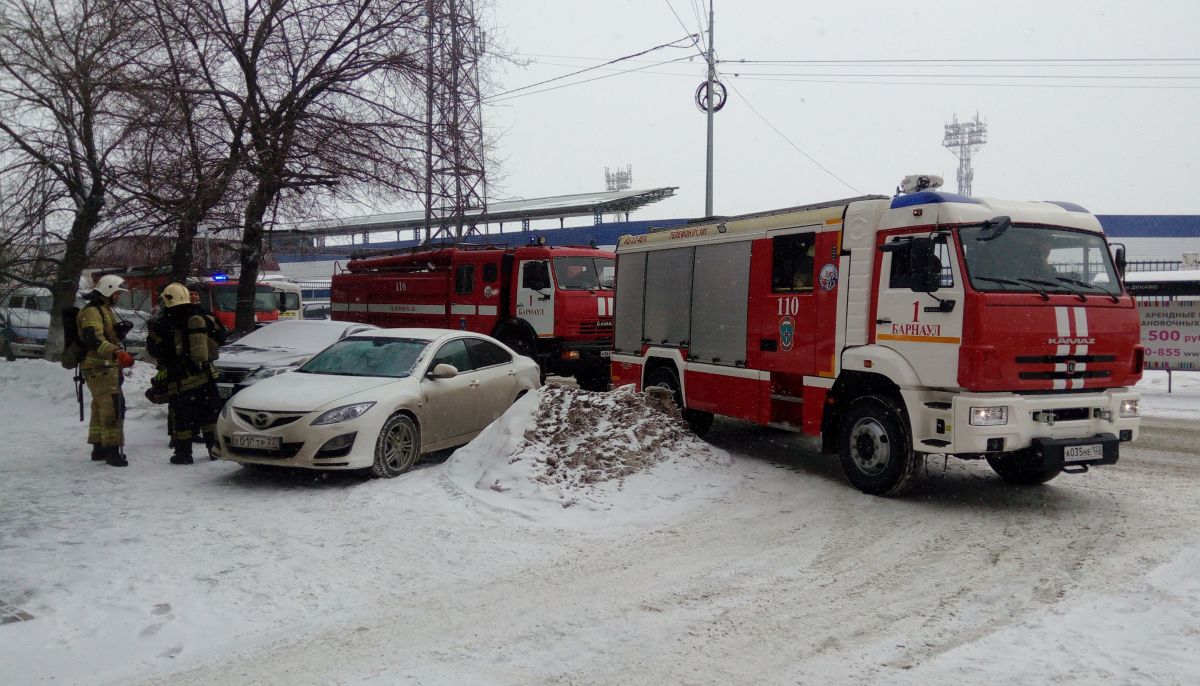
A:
{"points": [[570, 355], [989, 416], [1129, 408]]}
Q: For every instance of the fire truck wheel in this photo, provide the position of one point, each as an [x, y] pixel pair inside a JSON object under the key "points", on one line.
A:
{"points": [[875, 448], [398, 447], [593, 380], [1021, 468], [699, 422]]}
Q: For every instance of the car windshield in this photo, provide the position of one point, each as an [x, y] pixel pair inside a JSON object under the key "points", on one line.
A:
{"points": [[264, 298], [309, 336], [1038, 259], [584, 273], [368, 356]]}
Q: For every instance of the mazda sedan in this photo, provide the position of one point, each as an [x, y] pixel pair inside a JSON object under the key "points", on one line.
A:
{"points": [[376, 400]]}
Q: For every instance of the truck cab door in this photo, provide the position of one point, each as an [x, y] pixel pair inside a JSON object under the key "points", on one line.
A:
{"points": [[535, 296], [925, 328]]}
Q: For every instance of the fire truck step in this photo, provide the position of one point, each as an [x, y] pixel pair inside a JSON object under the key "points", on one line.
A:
{"points": [[935, 442], [937, 405]]}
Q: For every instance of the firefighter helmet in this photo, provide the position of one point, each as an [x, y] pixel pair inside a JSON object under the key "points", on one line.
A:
{"points": [[175, 294], [109, 285]]}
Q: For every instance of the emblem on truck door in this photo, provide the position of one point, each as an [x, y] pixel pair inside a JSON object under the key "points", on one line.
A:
{"points": [[787, 331], [828, 277]]}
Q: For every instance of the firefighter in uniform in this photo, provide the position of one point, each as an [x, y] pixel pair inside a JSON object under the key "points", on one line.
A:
{"points": [[181, 341], [101, 367]]}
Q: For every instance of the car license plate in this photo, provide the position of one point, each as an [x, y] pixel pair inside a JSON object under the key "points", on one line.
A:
{"points": [[224, 390], [254, 442], [1073, 453], [605, 353]]}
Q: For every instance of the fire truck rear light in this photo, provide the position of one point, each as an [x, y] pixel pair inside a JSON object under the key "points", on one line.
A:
{"points": [[570, 355], [989, 416]]}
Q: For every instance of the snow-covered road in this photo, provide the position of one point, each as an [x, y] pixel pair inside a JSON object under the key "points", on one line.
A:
{"points": [[769, 570]]}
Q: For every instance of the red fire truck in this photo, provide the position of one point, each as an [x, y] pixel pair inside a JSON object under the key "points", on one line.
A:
{"points": [[553, 304], [218, 293], [893, 328]]}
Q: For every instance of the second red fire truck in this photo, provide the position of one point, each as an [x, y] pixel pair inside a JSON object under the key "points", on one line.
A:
{"points": [[554, 304], [928, 323]]}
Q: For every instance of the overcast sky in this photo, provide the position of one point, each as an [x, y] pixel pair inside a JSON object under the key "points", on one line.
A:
{"points": [[1114, 146]]}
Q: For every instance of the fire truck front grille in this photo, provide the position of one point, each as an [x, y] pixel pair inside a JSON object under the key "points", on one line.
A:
{"points": [[1079, 374], [1066, 414], [601, 328], [1064, 367], [1062, 359]]}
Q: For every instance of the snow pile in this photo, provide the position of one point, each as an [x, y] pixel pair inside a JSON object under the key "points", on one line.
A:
{"points": [[1180, 403], [560, 448]]}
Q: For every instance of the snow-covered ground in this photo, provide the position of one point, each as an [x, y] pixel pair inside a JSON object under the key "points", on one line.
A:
{"points": [[496, 566]]}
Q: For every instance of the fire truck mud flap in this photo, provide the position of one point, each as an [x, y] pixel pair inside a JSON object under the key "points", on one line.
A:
{"points": [[1075, 455]]}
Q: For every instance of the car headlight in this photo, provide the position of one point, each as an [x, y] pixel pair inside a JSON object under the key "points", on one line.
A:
{"points": [[342, 414], [989, 416], [225, 411], [266, 373], [1129, 408]]}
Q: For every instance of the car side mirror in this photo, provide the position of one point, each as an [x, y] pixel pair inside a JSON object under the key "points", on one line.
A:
{"points": [[443, 371], [925, 266]]}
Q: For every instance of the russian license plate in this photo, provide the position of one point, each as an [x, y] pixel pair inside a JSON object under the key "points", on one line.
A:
{"points": [[1073, 453], [224, 390], [254, 442], [605, 353]]}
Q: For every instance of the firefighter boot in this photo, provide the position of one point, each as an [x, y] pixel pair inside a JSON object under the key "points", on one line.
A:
{"points": [[97, 453], [183, 453], [114, 457]]}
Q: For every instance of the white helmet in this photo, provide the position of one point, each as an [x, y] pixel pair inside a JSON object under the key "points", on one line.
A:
{"points": [[109, 285]]}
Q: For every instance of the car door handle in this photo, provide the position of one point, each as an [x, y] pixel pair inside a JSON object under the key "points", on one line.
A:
{"points": [[474, 384], [512, 372], [883, 320]]}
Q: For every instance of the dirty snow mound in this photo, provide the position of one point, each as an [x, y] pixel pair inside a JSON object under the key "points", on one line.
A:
{"points": [[560, 453]]}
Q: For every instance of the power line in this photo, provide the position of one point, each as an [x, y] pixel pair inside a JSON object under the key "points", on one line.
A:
{"points": [[873, 82], [498, 98], [1021, 60], [790, 142], [1140, 77], [695, 38], [587, 69]]}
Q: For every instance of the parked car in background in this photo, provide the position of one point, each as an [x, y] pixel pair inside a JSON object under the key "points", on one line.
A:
{"points": [[23, 332], [377, 400], [316, 310], [276, 348]]}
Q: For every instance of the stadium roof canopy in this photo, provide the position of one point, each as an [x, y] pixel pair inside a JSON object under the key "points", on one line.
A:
{"points": [[554, 207]]}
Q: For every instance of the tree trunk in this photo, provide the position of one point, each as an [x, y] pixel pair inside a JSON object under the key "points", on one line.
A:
{"points": [[181, 258], [66, 280], [251, 254]]}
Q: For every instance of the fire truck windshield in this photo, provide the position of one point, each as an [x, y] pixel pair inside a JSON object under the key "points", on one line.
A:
{"points": [[1038, 259], [584, 273], [226, 298]]}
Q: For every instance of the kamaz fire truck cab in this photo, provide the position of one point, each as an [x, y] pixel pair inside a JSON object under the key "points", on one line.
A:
{"points": [[928, 323], [553, 304]]}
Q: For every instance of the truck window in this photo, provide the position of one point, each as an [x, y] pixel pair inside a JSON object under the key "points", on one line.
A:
{"points": [[464, 276], [491, 272], [288, 300], [900, 275], [536, 276], [792, 263]]}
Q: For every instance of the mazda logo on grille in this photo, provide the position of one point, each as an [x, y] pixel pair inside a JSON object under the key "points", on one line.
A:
{"points": [[262, 419]]}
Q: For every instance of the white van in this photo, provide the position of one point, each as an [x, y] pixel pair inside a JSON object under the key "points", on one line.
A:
{"points": [[288, 293]]}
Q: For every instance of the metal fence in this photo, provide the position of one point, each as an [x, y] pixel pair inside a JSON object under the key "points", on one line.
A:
{"points": [[1153, 265]]}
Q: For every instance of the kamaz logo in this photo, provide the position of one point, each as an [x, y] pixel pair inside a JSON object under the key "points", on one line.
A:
{"points": [[1071, 341]]}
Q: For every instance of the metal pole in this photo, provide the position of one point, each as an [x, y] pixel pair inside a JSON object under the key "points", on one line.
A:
{"points": [[712, 75]]}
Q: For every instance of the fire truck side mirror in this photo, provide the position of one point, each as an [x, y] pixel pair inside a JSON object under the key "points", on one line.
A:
{"points": [[926, 266], [1119, 258]]}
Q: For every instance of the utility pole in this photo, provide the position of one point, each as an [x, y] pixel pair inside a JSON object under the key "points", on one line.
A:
{"points": [[712, 77]]}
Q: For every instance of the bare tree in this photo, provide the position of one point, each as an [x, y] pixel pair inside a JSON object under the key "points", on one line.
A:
{"points": [[182, 160], [60, 76], [326, 88]]}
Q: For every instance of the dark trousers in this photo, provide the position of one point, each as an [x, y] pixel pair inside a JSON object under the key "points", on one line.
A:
{"points": [[191, 413]]}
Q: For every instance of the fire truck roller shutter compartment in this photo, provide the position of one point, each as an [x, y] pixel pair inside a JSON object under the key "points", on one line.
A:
{"points": [[630, 297], [669, 296], [720, 284]]}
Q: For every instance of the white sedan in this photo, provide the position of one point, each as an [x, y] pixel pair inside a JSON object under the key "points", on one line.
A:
{"points": [[377, 400]]}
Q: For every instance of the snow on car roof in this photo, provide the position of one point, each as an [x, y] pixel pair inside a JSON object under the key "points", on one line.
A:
{"points": [[427, 334]]}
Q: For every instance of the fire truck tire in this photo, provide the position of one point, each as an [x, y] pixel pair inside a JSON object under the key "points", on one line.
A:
{"points": [[699, 422], [1020, 468], [398, 447], [875, 448]]}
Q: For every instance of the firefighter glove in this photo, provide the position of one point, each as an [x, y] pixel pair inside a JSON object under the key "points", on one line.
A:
{"points": [[124, 359]]}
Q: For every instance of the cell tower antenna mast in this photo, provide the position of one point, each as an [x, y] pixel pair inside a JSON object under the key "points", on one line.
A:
{"points": [[963, 140]]}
